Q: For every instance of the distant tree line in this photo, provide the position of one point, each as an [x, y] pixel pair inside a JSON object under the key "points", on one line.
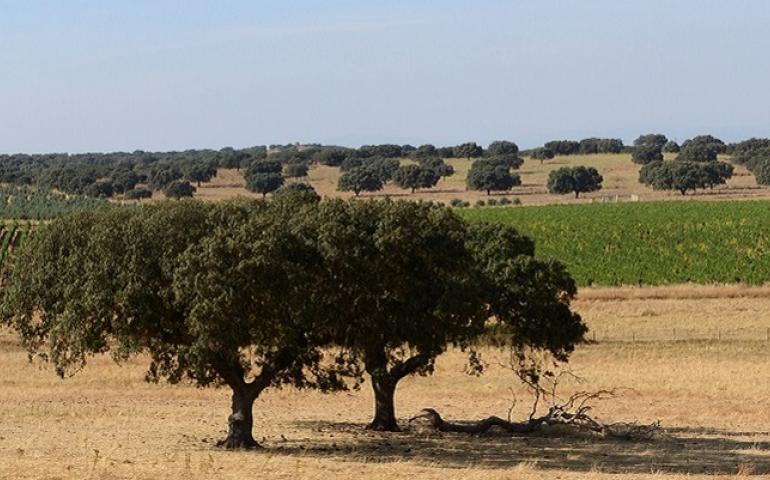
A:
{"points": [[137, 175]]}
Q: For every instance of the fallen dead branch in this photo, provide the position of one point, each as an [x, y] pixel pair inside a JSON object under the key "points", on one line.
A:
{"points": [[574, 413]]}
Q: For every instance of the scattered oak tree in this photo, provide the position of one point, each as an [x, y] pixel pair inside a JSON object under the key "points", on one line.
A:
{"points": [[303, 191], [651, 140], [264, 176], [542, 154], [199, 172], [178, 189], [468, 150], [425, 151], [438, 165], [228, 296], [644, 154], [406, 289], [575, 180], [671, 147], [415, 176], [489, 175], [683, 175], [360, 179], [296, 170]]}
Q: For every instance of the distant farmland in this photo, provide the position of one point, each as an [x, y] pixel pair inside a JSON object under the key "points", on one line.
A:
{"points": [[651, 243]]}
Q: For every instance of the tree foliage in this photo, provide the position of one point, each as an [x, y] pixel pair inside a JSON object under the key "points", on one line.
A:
{"points": [[542, 154], [415, 176], [651, 140], [644, 154], [684, 175], [468, 150], [491, 175], [575, 180], [178, 189], [360, 179]]}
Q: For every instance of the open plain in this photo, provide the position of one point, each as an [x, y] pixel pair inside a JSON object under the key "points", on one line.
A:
{"points": [[710, 394]]}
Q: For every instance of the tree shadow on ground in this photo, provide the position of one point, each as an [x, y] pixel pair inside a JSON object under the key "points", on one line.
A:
{"points": [[680, 451]]}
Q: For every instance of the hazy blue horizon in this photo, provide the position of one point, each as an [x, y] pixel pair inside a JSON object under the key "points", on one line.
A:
{"points": [[86, 75]]}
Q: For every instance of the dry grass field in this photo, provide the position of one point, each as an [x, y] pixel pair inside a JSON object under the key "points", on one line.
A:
{"points": [[620, 179], [711, 395]]}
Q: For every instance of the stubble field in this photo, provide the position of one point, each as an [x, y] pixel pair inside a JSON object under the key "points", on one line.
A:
{"points": [[711, 395]]}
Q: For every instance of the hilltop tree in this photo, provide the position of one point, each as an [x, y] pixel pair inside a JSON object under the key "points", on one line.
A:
{"points": [[697, 152], [360, 179], [542, 154], [425, 151], [230, 158], [703, 148], [468, 150], [563, 147], [651, 140], [644, 154], [486, 175], [575, 180], [332, 156], [502, 147], [228, 296], [415, 176], [671, 147]]}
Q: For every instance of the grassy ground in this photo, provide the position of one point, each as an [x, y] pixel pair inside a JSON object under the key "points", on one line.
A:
{"points": [[710, 395], [620, 180]]}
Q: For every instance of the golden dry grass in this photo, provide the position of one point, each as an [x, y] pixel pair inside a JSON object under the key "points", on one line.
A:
{"points": [[711, 395], [620, 179]]}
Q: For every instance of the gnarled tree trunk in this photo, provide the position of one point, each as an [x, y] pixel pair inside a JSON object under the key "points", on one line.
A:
{"points": [[384, 387], [384, 384], [241, 421]]}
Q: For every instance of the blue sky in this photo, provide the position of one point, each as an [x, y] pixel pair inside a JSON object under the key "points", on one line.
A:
{"points": [[108, 75]]}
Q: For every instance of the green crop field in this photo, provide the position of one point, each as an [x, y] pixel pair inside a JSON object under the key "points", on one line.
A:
{"points": [[653, 243]]}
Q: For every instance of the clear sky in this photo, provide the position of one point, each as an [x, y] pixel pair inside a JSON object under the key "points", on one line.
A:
{"points": [[104, 75]]}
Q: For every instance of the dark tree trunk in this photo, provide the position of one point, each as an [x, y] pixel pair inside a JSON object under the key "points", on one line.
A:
{"points": [[240, 422], [577, 194], [488, 191], [384, 387], [384, 384]]}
